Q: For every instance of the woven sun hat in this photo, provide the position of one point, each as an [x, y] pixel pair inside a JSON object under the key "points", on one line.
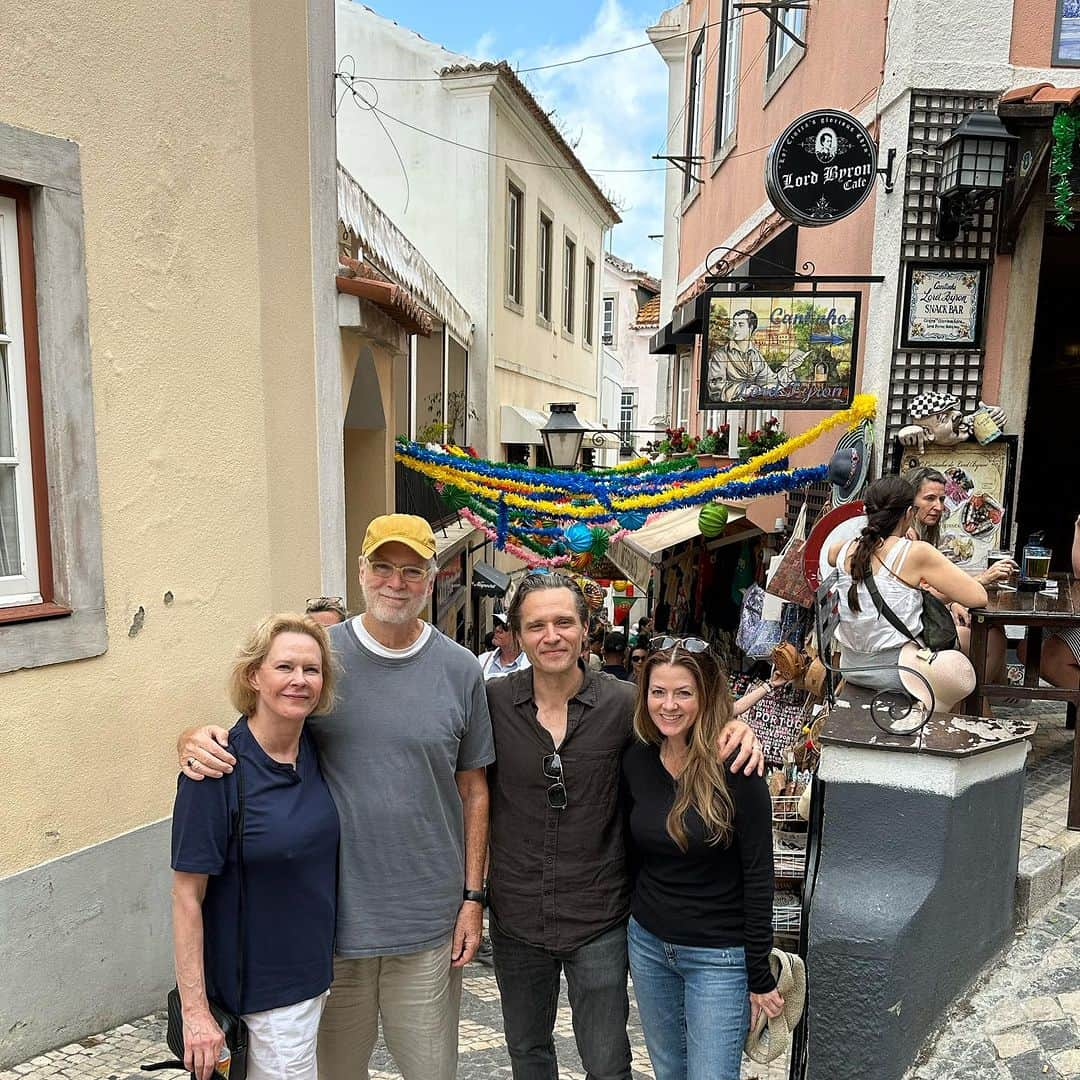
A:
{"points": [[931, 403], [770, 1037], [949, 673], [849, 466]]}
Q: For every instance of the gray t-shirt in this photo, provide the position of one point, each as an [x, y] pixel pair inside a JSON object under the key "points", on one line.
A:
{"points": [[399, 732]]}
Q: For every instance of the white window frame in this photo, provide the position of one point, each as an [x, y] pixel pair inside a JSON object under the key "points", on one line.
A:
{"points": [[682, 391], [515, 218], [588, 307], [545, 253], [569, 263], [694, 85], [628, 404], [780, 44], [24, 587], [608, 318], [727, 102]]}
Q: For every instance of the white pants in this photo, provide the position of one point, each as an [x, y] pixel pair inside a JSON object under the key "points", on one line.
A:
{"points": [[281, 1042]]}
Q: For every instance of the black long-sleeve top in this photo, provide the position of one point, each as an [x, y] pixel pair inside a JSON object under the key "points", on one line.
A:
{"points": [[708, 896]]}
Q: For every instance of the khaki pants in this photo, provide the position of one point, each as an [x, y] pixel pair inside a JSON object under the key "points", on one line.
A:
{"points": [[418, 998]]}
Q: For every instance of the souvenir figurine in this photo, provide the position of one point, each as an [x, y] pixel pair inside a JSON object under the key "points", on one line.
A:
{"points": [[937, 418]]}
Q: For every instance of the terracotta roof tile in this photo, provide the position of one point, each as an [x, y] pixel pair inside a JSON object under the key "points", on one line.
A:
{"points": [[506, 72], [358, 278], [648, 315], [1042, 94]]}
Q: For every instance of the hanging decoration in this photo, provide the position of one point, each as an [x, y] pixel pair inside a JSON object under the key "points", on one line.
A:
{"points": [[712, 519], [549, 518], [1065, 127]]}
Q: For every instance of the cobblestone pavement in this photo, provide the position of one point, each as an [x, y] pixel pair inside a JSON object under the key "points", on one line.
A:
{"points": [[1049, 766], [1022, 1022], [117, 1054]]}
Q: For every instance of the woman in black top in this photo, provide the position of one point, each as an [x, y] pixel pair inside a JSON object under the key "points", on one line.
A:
{"points": [[701, 926]]}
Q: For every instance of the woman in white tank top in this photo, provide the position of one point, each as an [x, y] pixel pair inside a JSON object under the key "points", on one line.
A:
{"points": [[870, 644]]}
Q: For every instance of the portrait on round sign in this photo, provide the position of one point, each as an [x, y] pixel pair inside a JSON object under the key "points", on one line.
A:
{"points": [[825, 145]]}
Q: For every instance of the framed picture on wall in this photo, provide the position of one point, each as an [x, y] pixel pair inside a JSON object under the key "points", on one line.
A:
{"points": [[979, 489], [1067, 34], [943, 305], [775, 350]]}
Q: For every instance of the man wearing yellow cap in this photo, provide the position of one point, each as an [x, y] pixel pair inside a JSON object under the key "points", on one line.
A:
{"points": [[404, 751]]}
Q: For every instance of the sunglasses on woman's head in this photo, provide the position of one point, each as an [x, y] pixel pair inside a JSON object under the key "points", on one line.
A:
{"points": [[662, 642]]}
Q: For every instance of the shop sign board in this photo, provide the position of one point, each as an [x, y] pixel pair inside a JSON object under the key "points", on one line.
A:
{"points": [[449, 585], [943, 305], [979, 484], [779, 350], [821, 168], [633, 564]]}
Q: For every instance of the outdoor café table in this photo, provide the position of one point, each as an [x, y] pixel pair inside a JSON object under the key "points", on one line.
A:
{"points": [[1039, 612]]}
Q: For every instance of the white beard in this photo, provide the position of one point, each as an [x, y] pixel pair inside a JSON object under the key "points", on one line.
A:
{"points": [[385, 613]]}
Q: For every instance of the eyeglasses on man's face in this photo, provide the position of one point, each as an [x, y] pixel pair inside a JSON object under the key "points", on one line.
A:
{"points": [[410, 572], [556, 793]]}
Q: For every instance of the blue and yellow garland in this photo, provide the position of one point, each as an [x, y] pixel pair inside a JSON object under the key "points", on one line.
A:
{"points": [[530, 511]]}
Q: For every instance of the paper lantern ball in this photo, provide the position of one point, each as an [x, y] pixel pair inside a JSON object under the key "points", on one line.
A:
{"points": [[579, 536], [454, 497], [581, 561], [557, 548], [632, 520], [712, 519], [618, 585], [599, 544]]}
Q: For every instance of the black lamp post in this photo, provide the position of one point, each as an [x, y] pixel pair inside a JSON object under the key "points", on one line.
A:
{"points": [[562, 435], [975, 165]]}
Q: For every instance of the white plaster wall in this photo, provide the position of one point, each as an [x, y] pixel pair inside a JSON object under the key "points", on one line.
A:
{"points": [[443, 207]]}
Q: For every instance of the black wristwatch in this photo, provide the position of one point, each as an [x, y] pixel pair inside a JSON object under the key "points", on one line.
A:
{"points": [[479, 896]]}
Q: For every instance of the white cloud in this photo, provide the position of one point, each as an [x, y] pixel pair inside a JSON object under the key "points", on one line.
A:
{"points": [[484, 48], [615, 108]]}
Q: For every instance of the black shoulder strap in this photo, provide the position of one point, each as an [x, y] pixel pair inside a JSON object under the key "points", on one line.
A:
{"points": [[884, 610], [240, 889]]}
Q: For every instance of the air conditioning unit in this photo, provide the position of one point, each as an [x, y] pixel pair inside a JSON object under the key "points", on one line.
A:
{"points": [[607, 339]]}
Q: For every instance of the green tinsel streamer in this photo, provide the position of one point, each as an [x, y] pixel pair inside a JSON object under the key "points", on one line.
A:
{"points": [[1061, 162]]}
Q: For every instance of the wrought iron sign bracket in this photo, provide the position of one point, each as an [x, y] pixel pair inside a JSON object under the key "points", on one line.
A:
{"points": [[719, 271], [769, 10], [887, 172], [684, 163]]}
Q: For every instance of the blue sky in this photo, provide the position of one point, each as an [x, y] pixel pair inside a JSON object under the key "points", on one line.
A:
{"points": [[614, 106]]}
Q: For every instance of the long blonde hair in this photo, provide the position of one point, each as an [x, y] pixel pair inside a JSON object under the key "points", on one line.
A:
{"points": [[701, 785]]}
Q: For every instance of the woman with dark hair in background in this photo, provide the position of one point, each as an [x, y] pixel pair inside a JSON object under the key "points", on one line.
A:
{"points": [[870, 643]]}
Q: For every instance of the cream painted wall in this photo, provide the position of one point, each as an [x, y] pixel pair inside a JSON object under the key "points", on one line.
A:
{"points": [[536, 365], [193, 125]]}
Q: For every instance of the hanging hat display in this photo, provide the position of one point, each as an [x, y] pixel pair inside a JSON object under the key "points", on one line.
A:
{"points": [[594, 595], [931, 403], [850, 463], [712, 519]]}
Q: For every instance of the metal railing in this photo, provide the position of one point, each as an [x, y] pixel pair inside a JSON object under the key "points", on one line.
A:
{"points": [[414, 493]]}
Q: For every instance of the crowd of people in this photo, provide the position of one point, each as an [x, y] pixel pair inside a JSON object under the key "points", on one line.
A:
{"points": [[592, 787]]}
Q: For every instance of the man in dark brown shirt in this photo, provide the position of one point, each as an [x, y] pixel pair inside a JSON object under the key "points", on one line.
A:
{"points": [[558, 882]]}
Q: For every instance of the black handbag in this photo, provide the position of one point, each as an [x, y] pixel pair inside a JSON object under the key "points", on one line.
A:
{"points": [[232, 1024], [939, 628]]}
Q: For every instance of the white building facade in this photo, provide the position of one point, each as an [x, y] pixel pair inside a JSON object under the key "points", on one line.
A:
{"points": [[468, 165]]}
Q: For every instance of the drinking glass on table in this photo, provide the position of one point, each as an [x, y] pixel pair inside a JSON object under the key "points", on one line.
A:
{"points": [[1036, 562]]}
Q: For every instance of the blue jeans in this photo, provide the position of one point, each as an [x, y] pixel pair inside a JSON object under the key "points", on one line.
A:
{"points": [[528, 978], [694, 1005]]}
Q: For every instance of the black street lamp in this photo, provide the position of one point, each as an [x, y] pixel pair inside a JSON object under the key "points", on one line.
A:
{"points": [[975, 165], [562, 435]]}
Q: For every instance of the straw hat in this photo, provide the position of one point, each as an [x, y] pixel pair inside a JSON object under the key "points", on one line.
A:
{"points": [[770, 1038], [949, 673]]}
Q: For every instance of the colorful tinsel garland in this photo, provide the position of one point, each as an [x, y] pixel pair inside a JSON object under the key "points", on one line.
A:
{"points": [[1065, 129]]}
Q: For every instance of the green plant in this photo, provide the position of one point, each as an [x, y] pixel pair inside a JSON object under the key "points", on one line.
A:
{"points": [[767, 437], [714, 441], [457, 409]]}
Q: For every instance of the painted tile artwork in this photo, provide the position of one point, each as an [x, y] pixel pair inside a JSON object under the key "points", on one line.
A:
{"points": [[1067, 41]]}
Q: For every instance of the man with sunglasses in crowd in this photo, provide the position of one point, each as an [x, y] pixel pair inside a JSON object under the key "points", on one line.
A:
{"points": [[559, 886], [404, 752]]}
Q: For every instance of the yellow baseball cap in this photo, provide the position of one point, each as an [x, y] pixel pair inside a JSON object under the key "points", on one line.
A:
{"points": [[408, 529]]}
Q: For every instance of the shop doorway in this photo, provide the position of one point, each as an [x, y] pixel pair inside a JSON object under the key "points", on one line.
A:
{"points": [[1049, 489]]}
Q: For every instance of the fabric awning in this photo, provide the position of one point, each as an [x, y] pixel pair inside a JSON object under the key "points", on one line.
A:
{"points": [[638, 552], [520, 425], [666, 340]]}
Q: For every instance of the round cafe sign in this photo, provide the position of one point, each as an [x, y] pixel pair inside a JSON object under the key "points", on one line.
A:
{"points": [[821, 168]]}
